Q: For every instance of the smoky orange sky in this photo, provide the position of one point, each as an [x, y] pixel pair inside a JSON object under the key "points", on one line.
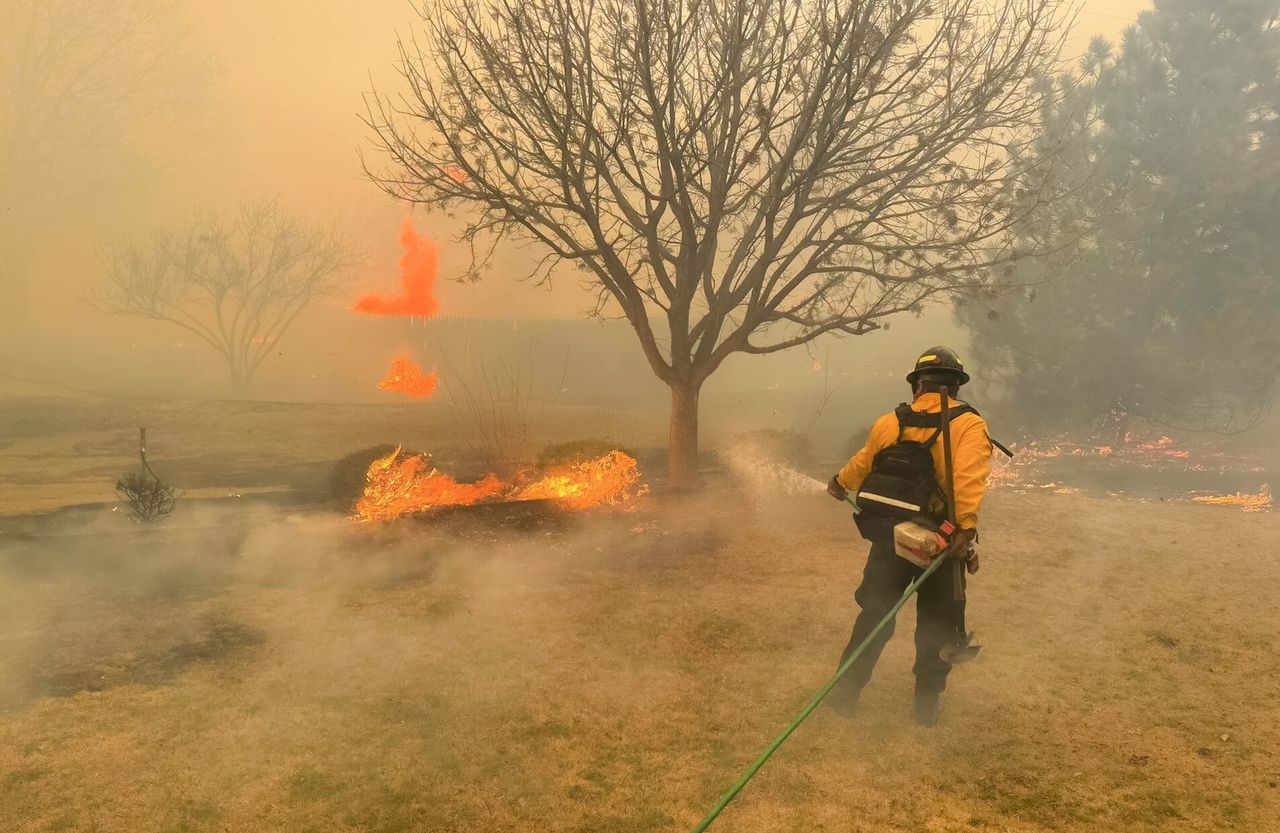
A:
{"points": [[292, 73], [279, 117]]}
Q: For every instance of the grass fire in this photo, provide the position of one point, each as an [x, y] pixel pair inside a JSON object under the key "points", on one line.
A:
{"points": [[639, 417], [400, 484]]}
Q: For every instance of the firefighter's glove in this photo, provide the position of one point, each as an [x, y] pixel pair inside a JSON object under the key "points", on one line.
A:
{"points": [[962, 547], [836, 490]]}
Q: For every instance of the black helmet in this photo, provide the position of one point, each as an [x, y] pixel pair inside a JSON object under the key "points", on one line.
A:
{"points": [[940, 362]]}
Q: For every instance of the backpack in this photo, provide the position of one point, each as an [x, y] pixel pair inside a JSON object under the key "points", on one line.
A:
{"points": [[902, 485]]}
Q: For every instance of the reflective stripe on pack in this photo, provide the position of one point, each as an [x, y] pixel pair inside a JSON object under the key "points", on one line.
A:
{"points": [[888, 501]]}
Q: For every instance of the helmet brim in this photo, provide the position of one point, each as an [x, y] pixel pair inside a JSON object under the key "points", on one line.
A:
{"points": [[960, 376]]}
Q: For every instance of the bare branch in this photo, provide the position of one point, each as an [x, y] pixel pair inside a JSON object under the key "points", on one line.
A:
{"points": [[237, 285], [739, 175]]}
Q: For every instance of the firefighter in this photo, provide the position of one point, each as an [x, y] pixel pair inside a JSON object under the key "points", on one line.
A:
{"points": [[872, 475]]}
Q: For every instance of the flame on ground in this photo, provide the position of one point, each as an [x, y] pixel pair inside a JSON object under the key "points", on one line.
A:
{"points": [[609, 481], [1034, 464], [1260, 502], [397, 485], [418, 269], [407, 378]]}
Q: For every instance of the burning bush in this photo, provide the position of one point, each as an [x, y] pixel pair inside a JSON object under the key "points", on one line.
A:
{"points": [[351, 473], [611, 480], [400, 484]]}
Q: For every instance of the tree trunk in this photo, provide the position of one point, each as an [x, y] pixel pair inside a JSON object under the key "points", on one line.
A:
{"points": [[16, 332], [240, 377], [682, 447]]}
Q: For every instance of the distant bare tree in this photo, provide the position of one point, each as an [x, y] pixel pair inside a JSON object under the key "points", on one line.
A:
{"points": [[736, 176], [88, 91], [237, 284]]}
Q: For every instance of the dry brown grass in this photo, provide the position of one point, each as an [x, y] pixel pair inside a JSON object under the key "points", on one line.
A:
{"points": [[301, 674], [60, 450]]}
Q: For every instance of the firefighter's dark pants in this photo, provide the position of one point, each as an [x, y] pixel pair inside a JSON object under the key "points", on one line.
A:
{"points": [[939, 618]]}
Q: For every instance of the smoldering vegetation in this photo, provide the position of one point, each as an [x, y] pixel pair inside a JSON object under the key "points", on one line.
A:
{"points": [[187, 243], [241, 670], [104, 603]]}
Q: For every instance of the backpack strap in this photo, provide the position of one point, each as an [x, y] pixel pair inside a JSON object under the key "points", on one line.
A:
{"points": [[908, 418], [903, 412]]}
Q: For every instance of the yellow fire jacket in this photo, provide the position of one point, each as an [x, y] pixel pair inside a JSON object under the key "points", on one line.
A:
{"points": [[970, 452]]}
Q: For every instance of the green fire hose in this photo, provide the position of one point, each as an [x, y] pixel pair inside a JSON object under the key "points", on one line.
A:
{"points": [[819, 697]]}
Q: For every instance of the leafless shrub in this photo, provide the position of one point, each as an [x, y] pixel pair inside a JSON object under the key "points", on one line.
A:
{"points": [[150, 499], [498, 411]]}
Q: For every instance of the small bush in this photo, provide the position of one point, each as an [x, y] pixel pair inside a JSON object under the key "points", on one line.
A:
{"points": [[786, 447], [576, 451], [346, 484], [150, 499]]}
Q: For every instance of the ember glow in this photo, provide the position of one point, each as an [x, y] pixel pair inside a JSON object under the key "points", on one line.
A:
{"points": [[398, 485], [1155, 454], [418, 269], [1045, 465], [1261, 502], [407, 378]]}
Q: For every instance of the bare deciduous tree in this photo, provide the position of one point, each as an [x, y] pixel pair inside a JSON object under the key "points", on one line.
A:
{"points": [[733, 176], [237, 285], [89, 92]]}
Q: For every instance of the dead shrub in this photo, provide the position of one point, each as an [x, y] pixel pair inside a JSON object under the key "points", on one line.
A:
{"points": [[150, 499]]}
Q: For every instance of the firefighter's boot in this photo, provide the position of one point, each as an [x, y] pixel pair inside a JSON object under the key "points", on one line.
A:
{"points": [[928, 704], [843, 699]]}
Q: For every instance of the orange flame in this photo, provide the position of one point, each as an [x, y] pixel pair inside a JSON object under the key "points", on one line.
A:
{"points": [[398, 486], [608, 481], [1260, 502], [407, 378], [418, 269]]}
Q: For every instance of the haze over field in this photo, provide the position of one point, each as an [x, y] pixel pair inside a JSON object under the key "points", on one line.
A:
{"points": [[307, 523], [246, 101]]}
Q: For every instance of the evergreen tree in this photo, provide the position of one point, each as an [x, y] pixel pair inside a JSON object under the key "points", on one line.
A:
{"points": [[1168, 303]]}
